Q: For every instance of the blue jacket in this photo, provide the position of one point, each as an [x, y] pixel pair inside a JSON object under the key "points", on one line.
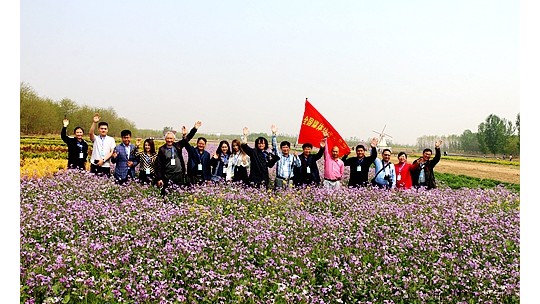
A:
{"points": [[122, 171]]}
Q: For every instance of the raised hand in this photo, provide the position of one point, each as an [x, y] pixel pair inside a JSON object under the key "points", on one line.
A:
{"points": [[245, 131], [66, 122], [96, 117], [325, 133], [374, 142], [198, 123], [274, 129], [438, 143], [184, 131]]}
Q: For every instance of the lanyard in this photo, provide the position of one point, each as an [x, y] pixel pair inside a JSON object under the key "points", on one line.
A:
{"points": [[200, 157], [172, 151], [102, 145]]}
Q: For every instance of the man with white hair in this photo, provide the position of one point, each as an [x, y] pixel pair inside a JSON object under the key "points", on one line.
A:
{"points": [[170, 162]]}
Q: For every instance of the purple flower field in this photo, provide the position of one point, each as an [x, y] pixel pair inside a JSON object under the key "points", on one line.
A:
{"points": [[84, 239]]}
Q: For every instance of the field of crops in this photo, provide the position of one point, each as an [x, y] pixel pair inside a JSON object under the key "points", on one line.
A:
{"points": [[85, 239]]}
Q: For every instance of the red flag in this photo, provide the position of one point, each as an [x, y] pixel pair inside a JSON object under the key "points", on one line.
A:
{"points": [[311, 130]]}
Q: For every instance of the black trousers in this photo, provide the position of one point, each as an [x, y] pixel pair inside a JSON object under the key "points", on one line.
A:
{"points": [[100, 170], [146, 178]]}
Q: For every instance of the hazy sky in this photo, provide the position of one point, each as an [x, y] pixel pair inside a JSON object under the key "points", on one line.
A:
{"points": [[420, 67]]}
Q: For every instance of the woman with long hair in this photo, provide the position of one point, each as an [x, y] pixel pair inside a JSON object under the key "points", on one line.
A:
{"points": [[237, 168], [147, 160], [220, 161]]}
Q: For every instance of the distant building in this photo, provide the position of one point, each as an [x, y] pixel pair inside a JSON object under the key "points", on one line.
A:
{"points": [[383, 145]]}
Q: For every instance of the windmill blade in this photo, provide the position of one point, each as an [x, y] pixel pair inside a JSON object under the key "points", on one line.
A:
{"points": [[382, 136]]}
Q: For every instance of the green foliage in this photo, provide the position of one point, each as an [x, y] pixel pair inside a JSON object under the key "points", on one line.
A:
{"points": [[469, 142], [494, 133], [41, 116]]}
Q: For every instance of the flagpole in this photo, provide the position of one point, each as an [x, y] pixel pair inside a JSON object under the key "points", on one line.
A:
{"points": [[297, 136]]}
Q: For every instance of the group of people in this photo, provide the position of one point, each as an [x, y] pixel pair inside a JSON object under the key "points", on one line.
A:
{"points": [[240, 163]]}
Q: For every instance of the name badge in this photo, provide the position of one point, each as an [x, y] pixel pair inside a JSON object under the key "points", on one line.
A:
{"points": [[199, 167], [173, 162], [147, 170], [308, 170], [81, 155], [398, 177], [358, 168]]}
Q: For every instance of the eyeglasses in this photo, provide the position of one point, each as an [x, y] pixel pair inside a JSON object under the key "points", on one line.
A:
{"points": [[386, 155]]}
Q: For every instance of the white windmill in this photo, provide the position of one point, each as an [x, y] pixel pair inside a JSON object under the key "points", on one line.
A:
{"points": [[382, 140]]}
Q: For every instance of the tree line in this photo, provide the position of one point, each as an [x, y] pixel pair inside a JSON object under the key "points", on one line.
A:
{"points": [[40, 116], [495, 136]]}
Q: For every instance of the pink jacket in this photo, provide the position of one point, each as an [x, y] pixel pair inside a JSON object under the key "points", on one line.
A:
{"points": [[333, 169]]}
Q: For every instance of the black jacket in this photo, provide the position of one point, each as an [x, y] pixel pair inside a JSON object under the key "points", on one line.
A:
{"points": [[260, 162], [194, 159], [301, 177], [75, 147], [428, 171], [162, 159], [359, 178]]}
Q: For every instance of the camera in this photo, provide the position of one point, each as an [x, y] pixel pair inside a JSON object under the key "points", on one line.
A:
{"points": [[96, 161], [388, 178]]}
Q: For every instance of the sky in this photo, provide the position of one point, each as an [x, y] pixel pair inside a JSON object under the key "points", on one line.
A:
{"points": [[416, 67], [420, 67]]}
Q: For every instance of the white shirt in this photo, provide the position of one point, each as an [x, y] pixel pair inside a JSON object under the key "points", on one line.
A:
{"points": [[102, 147]]}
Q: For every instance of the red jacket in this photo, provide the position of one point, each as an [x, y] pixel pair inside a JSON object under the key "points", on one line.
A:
{"points": [[404, 170]]}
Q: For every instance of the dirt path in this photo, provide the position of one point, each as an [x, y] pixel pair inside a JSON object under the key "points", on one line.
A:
{"points": [[502, 173]]}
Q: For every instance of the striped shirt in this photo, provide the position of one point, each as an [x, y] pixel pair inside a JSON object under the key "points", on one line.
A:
{"points": [[147, 161], [285, 164]]}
